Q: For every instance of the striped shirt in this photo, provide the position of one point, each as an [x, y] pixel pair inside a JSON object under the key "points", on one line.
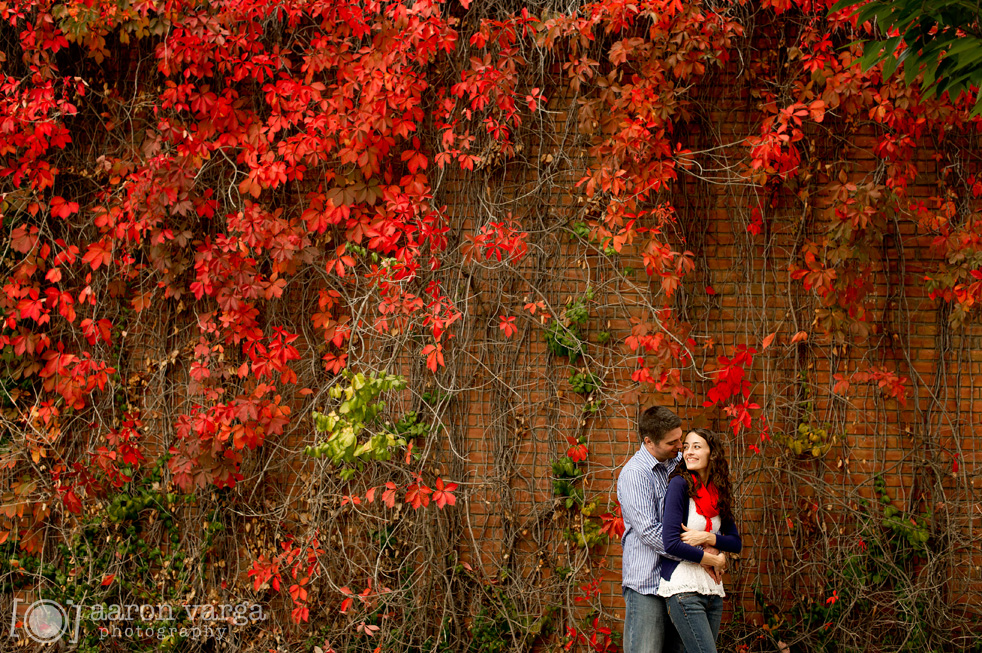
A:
{"points": [[641, 492]]}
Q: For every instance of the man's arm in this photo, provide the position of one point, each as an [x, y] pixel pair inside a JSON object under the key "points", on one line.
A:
{"points": [[636, 495], [714, 573]]}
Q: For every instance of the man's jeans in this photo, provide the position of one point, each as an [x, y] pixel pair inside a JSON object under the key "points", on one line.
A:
{"points": [[697, 617], [647, 628]]}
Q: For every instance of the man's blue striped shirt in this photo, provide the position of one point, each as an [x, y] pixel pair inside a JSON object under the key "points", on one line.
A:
{"points": [[641, 488]]}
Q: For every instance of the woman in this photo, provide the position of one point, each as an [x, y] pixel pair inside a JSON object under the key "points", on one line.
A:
{"points": [[698, 513]]}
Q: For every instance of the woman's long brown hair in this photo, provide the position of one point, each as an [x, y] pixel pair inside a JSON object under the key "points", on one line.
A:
{"points": [[718, 472]]}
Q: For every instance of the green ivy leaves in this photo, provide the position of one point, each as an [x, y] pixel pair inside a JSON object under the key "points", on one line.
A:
{"points": [[358, 411]]}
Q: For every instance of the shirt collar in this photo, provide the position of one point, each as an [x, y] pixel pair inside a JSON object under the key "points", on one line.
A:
{"points": [[653, 463], [672, 463], [650, 462]]}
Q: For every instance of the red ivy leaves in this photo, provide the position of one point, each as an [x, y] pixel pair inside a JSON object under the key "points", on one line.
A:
{"points": [[443, 493], [498, 240], [732, 386], [577, 451], [389, 495], [284, 115], [891, 384], [507, 325], [730, 376], [612, 524], [61, 208], [434, 356], [296, 561], [209, 440], [418, 495]]}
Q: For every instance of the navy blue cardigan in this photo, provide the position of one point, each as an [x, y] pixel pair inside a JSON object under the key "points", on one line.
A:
{"points": [[675, 514]]}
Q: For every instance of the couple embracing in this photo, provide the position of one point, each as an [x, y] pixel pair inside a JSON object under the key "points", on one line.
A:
{"points": [[678, 522]]}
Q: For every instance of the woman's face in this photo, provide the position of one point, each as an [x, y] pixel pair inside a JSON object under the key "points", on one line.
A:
{"points": [[695, 452]]}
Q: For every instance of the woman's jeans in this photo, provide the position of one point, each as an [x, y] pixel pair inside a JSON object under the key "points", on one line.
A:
{"points": [[696, 617]]}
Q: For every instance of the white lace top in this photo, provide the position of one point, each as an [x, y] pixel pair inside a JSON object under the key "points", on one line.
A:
{"points": [[690, 576]]}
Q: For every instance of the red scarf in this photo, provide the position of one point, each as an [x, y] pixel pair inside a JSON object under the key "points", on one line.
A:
{"points": [[707, 501]]}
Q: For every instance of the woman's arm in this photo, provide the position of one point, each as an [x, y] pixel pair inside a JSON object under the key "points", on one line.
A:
{"points": [[675, 513], [728, 538]]}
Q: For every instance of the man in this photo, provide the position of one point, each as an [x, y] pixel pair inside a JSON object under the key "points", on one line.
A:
{"points": [[641, 492]]}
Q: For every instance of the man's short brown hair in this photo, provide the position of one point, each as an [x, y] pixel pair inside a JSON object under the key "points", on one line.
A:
{"points": [[656, 422]]}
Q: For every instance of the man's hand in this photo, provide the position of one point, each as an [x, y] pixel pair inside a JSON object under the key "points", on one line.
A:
{"points": [[716, 573]]}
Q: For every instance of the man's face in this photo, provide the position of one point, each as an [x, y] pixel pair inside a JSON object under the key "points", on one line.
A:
{"points": [[669, 446]]}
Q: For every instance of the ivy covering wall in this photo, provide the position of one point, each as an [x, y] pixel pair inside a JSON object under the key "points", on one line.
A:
{"points": [[346, 310]]}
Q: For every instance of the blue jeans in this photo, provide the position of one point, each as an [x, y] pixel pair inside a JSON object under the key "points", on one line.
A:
{"points": [[647, 628], [697, 617]]}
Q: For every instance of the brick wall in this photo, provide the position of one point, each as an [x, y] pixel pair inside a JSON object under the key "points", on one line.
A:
{"points": [[801, 516]]}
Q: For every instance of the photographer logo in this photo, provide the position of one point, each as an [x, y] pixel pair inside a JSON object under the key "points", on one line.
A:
{"points": [[44, 621]]}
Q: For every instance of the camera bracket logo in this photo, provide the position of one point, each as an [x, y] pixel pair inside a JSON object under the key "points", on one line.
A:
{"points": [[43, 621]]}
